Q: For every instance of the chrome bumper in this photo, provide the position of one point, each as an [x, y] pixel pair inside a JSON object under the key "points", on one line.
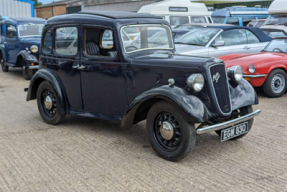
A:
{"points": [[34, 67], [255, 76], [227, 124]]}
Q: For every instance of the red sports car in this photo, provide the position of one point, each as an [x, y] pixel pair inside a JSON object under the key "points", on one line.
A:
{"points": [[267, 69]]}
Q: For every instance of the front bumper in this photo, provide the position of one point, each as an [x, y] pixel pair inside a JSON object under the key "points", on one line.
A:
{"points": [[254, 76], [34, 67], [227, 124]]}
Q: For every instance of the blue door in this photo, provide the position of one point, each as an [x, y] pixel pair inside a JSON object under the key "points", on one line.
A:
{"points": [[11, 44]]}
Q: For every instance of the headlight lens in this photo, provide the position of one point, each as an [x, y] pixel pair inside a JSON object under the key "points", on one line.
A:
{"points": [[196, 82], [251, 68], [235, 73], [34, 48]]}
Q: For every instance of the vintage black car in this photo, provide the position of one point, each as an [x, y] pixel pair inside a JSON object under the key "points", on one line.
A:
{"points": [[95, 74], [19, 44]]}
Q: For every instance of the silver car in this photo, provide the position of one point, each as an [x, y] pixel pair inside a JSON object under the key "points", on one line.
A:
{"points": [[221, 40]]}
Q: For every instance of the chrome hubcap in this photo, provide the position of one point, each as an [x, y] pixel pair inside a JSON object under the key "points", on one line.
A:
{"points": [[166, 130], [278, 83], [48, 102]]}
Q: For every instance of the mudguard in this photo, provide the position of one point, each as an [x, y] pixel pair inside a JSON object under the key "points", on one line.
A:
{"points": [[193, 107], [242, 95], [51, 77], [28, 56]]}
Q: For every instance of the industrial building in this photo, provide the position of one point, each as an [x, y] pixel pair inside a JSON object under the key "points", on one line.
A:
{"points": [[17, 8]]}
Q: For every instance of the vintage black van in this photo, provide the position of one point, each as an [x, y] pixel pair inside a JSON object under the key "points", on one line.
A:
{"points": [[111, 66]]}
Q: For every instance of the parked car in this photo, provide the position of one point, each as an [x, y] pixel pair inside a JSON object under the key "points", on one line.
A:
{"points": [[177, 33], [266, 69], [199, 25], [222, 40], [240, 16], [256, 23], [125, 84], [274, 33], [19, 44]]}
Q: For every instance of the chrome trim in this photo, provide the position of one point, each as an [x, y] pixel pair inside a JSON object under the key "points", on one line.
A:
{"points": [[34, 67], [213, 38], [227, 124], [255, 76]]}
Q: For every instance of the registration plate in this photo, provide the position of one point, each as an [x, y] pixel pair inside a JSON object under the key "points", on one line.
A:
{"points": [[234, 131]]}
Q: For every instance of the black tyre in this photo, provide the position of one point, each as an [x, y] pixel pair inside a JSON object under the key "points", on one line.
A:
{"points": [[275, 84], [27, 73], [241, 112], [47, 104], [170, 135], [4, 67]]}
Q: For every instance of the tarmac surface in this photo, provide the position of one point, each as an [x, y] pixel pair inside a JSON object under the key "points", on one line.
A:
{"points": [[84, 154]]}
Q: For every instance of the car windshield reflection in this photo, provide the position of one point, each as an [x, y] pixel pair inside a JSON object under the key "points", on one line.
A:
{"points": [[146, 37], [277, 45]]}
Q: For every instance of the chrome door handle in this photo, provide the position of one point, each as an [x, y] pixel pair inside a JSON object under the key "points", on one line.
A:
{"points": [[78, 66], [246, 47]]}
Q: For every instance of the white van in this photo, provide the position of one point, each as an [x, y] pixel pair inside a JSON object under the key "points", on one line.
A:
{"points": [[178, 12], [278, 16]]}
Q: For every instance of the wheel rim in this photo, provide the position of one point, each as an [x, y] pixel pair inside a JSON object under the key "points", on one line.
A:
{"points": [[278, 83], [167, 131], [48, 103]]}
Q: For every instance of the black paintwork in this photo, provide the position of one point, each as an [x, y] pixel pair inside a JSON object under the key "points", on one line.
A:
{"points": [[14, 48], [125, 87]]}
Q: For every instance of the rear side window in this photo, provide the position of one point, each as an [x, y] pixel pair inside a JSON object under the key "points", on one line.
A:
{"points": [[251, 37], [47, 46], [66, 40], [197, 20], [233, 21], [11, 31], [178, 20]]}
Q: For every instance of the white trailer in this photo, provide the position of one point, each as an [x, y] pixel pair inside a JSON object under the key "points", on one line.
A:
{"points": [[17, 8], [178, 12]]}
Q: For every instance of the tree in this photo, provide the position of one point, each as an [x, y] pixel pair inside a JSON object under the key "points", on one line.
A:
{"points": [[37, 3]]}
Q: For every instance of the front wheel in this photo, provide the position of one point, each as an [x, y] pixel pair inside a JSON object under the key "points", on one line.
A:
{"points": [[239, 113], [47, 104], [27, 73], [170, 135], [275, 84], [4, 67]]}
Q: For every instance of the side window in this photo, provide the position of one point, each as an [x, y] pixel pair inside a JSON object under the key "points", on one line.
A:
{"points": [[11, 31], [233, 21], [100, 42], [245, 21], [47, 47], [209, 20], [251, 37], [178, 20], [66, 41], [233, 37]]}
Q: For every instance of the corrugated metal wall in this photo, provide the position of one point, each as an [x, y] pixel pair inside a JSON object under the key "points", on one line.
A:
{"points": [[13, 8]]}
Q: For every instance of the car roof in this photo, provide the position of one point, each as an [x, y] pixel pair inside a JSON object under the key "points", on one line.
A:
{"points": [[120, 14], [257, 31], [207, 24]]}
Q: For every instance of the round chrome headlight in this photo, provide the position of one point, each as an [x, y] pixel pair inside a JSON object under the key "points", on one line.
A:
{"points": [[235, 73], [252, 68], [196, 82], [34, 48]]}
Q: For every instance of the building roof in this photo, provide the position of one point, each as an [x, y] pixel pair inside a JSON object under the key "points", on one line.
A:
{"points": [[120, 14]]}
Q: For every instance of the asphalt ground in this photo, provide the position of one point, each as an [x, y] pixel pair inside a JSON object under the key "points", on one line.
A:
{"points": [[84, 154]]}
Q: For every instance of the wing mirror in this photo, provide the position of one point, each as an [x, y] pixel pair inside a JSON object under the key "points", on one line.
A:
{"points": [[218, 43]]}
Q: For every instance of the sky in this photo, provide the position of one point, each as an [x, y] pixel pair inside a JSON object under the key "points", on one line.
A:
{"points": [[45, 1]]}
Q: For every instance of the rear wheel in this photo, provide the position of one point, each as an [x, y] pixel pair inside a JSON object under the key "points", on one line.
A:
{"points": [[171, 136], [47, 104], [239, 113], [4, 67], [27, 73], [275, 84]]}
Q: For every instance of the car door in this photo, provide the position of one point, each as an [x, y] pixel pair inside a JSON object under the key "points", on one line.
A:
{"points": [[254, 45], [60, 54], [11, 44], [235, 41], [102, 77]]}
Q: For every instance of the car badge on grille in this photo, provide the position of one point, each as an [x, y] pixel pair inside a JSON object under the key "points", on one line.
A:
{"points": [[216, 77]]}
